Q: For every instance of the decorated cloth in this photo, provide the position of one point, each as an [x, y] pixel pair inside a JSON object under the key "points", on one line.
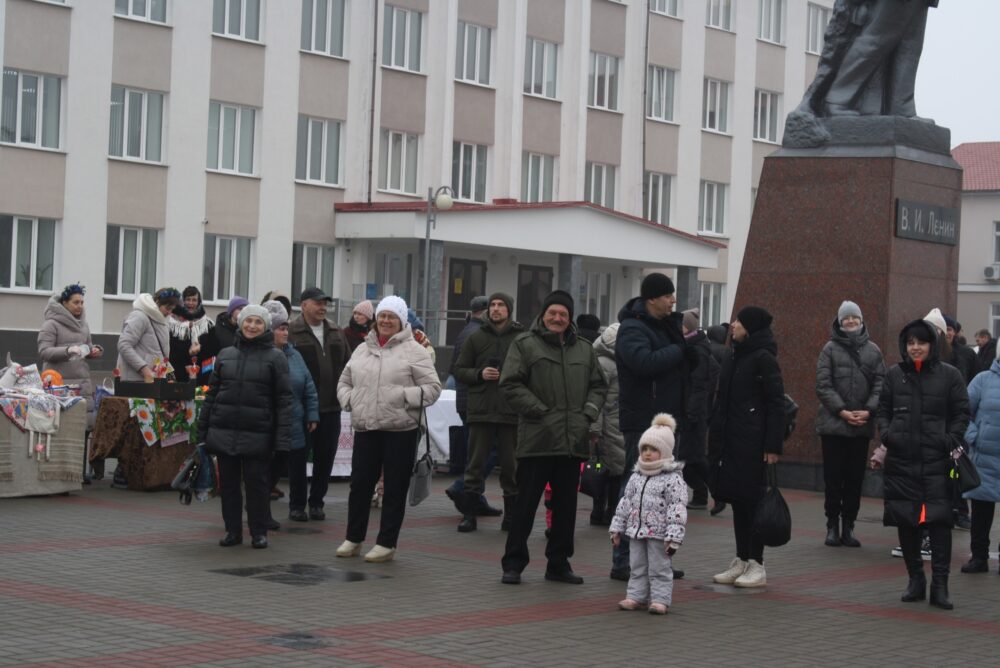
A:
{"points": [[15, 405], [168, 422], [66, 449]]}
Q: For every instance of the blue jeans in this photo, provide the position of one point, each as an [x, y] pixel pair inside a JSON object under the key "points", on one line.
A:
{"points": [[620, 555], [459, 485]]}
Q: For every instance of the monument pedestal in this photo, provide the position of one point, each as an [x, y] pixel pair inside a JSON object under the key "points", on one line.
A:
{"points": [[824, 229]]}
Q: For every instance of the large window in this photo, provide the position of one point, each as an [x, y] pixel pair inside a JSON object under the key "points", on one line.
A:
{"points": [[130, 261], [401, 38], [237, 18], [148, 10], [227, 268], [136, 124], [668, 7], [540, 61], [317, 155], [27, 252], [597, 296], [398, 162], [599, 184], [602, 84], [715, 106], [660, 93], [468, 171], [766, 109], [231, 138], [312, 266], [323, 26], [817, 18], [30, 109], [712, 208], [770, 20], [392, 274], [719, 14], [712, 299], [472, 60], [537, 177], [996, 241], [656, 197]]}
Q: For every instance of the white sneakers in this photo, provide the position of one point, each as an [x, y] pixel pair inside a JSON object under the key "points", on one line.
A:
{"points": [[349, 549], [728, 576], [753, 576], [379, 553]]}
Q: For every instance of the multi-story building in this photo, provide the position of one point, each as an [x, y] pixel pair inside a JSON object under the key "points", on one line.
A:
{"points": [[247, 145], [979, 241]]}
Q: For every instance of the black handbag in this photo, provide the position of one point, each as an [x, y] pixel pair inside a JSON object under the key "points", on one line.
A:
{"points": [[964, 472], [423, 468], [594, 478], [772, 523]]}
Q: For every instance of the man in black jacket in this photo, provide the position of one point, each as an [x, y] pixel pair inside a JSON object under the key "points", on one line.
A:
{"points": [[652, 375], [963, 357], [987, 349]]}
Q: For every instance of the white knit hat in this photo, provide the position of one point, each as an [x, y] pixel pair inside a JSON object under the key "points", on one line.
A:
{"points": [[254, 310], [661, 436], [935, 318], [394, 305]]}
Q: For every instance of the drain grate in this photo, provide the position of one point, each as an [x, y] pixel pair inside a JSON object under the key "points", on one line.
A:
{"points": [[726, 589], [300, 575], [302, 641]]}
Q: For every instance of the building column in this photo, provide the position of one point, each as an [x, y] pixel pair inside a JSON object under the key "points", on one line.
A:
{"points": [[572, 278], [688, 289], [436, 303]]}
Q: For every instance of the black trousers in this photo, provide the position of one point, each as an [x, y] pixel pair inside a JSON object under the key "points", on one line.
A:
{"points": [[256, 480], [388, 453], [691, 450], [563, 475], [323, 444], [748, 546], [910, 539], [982, 522], [844, 462]]}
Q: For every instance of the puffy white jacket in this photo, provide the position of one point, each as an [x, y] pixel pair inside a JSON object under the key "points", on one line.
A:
{"points": [[381, 385], [653, 507], [145, 336]]}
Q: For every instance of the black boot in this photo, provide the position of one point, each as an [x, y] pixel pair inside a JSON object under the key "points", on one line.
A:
{"points": [[484, 509], [916, 590], [976, 565], [508, 512], [940, 566], [939, 592], [468, 522], [847, 536], [699, 500], [717, 508], [832, 533]]}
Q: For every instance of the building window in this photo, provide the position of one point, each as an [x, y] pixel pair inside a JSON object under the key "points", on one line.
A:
{"points": [[602, 84], [323, 26], [668, 7], [392, 274], [599, 184], [398, 162], [660, 93], [31, 108], [817, 17], [237, 18], [996, 241], [312, 266], [995, 320], [766, 109], [715, 106], [130, 261], [401, 37], [597, 296], [317, 156], [540, 60], [537, 177], [148, 10], [472, 61], [656, 197], [231, 138], [719, 14], [468, 171], [227, 268], [136, 124], [27, 252], [771, 17], [712, 299], [712, 208]]}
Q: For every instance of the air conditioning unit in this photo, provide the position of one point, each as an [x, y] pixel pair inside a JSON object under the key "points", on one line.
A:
{"points": [[992, 272]]}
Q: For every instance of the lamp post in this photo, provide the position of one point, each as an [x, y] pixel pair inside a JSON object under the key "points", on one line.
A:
{"points": [[437, 200]]}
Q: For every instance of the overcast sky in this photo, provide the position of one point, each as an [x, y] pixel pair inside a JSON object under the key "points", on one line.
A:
{"points": [[958, 82]]}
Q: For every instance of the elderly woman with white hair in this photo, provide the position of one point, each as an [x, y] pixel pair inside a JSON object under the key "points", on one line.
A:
{"points": [[385, 386], [246, 416]]}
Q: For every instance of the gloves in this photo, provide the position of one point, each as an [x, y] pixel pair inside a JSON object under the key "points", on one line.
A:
{"points": [[672, 548], [74, 351]]}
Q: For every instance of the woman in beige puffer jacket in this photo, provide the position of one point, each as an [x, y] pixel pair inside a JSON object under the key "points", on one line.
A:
{"points": [[388, 381]]}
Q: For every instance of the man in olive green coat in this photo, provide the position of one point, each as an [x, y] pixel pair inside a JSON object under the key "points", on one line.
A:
{"points": [[492, 422], [552, 379]]}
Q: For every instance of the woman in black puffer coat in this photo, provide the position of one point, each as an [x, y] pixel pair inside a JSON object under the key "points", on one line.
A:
{"points": [[922, 415], [246, 416], [747, 434]]}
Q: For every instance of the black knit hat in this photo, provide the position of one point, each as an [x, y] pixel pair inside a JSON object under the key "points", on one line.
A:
{"points": [[656, 285], [560, 297], [506, 299], [754, 318]]}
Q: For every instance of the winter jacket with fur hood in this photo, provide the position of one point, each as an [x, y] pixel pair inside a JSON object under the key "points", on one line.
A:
{"points": [[610, 440], [841, 384], [983, 434], [145, 336], [653, 506], [61, 330], [382, 386]]}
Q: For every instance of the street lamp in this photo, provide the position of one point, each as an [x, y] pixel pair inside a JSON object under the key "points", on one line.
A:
{"points": [[437, 200]]}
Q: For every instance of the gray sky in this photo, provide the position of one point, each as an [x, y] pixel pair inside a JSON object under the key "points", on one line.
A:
{"points": [[958, 82]]}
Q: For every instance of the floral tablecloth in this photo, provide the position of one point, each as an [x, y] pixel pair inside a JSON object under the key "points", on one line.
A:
{"points": [[166, 422]]}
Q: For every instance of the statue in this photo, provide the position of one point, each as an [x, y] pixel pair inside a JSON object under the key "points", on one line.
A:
{"points": [[868, 67]]}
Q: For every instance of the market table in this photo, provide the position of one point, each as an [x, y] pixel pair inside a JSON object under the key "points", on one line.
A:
{"points": [[21, 475]]}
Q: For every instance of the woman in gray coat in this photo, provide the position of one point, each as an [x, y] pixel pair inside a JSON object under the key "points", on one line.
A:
{"points": [[609, 440], [145, 334], [849, 377]]}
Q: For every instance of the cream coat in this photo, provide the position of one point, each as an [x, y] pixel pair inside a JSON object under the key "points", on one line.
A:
{"points": [[145, 336], [381, 385], [61, 330]]}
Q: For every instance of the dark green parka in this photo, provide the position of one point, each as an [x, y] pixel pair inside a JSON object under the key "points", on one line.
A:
{"points": [[486, 403]]}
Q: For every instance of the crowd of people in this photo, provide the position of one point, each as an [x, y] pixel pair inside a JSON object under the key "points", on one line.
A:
{"points": [[665, 405]]}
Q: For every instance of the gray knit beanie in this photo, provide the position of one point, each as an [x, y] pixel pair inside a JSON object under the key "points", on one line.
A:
{"points": [[849, 308], [254, 310]]}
